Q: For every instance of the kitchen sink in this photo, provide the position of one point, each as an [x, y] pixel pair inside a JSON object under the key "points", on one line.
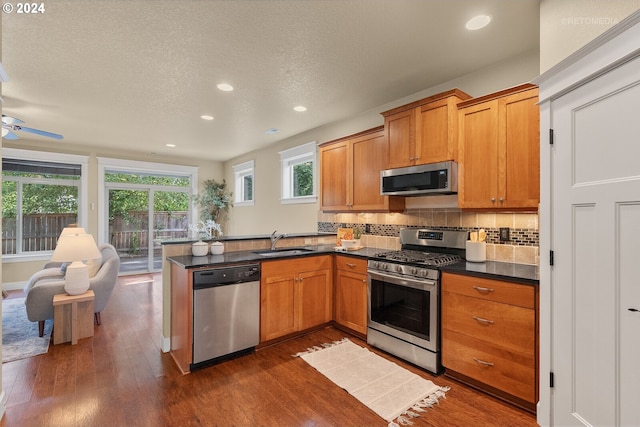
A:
{"points": [[283, 252]]}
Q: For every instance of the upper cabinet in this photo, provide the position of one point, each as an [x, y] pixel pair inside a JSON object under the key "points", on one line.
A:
{"points": [[350, 174], [499, 150], [425, 131]]}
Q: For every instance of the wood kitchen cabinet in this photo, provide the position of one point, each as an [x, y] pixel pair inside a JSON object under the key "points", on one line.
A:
{"points": [[499, 150], [425, 131], [350, 174], [295, 294], [490, 336], [351, 293]]}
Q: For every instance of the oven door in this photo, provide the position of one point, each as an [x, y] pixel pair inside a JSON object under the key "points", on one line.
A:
{"points": [[406, 308]]}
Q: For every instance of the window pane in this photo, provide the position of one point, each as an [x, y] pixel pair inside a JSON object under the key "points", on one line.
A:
{"points": [[247, 187], [9, 213], [132, 178], [46, 210], [303, 179]]}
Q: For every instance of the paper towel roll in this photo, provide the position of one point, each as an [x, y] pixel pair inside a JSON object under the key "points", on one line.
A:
{"points": [[476, 251]]}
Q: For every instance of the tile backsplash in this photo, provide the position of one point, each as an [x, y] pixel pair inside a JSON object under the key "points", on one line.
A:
{"points": [[382, 230]]}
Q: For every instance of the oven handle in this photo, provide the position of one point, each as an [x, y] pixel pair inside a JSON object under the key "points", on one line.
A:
{"points": [[420, 284]]}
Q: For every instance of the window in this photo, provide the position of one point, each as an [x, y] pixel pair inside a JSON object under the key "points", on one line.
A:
{"points": [[243, 177], [298, 167], [42, 194]]}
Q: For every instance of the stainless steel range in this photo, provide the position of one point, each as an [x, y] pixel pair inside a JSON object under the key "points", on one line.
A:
{"points": [[404, 294]]}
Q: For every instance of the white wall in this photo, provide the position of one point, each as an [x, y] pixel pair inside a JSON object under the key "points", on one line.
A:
{"points": [[567, 25], [268, 214]]}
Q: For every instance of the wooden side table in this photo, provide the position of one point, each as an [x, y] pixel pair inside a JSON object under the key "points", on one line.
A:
{"points": [[72, 317]]}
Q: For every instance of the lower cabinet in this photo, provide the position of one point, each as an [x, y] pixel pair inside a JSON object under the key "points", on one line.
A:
{"points": [[351, 293], [295, 294], [490, 336]]}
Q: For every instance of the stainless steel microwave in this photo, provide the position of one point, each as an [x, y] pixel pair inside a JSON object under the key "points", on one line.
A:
{"points": [[421, 180]]}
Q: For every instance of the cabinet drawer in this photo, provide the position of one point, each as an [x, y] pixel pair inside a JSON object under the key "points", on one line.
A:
{"points": [[356, 265], [492, 290], [510, 372], [499, 324]]}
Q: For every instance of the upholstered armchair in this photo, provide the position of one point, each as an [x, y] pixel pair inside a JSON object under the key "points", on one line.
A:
{"points": [[46, 283]]}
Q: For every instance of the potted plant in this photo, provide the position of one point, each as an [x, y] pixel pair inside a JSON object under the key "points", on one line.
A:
{"points": [[214, 202]]}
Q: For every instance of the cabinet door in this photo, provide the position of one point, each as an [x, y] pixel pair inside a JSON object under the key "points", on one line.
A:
{"points": [[314, 298], [335, 172], [277, 302], [351, 300], [400, 131], [435, 138], [369, 158], [478, 169], [521, 150]]}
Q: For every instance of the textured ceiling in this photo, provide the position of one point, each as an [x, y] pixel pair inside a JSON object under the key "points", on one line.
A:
{"points": [[136, 75]]}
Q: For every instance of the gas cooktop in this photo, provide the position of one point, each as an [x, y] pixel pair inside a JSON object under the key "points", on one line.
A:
{"points": [[419, 257]]}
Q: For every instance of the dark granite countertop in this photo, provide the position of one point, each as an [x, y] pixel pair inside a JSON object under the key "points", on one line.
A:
{"points": [[520, 273]]}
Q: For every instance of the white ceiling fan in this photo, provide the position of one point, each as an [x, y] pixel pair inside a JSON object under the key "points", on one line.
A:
{"points": [[11, 124]]}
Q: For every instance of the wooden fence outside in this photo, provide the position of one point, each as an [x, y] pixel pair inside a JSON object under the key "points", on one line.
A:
{"points": [[127, 235]]}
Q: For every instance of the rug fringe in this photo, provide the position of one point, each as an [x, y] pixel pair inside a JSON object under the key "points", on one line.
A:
{"points": [[405, 418], [318, 348]]}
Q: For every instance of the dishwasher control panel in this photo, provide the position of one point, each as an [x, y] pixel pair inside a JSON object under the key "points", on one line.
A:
{"points": [[226, 275]]}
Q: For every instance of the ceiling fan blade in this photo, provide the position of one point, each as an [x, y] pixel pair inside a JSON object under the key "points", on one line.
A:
{"points": [[10, 135], [39, 132], [8, 120]]}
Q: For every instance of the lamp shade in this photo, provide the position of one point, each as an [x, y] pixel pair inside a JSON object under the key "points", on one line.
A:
{"points": [[75, 247], [72, 230]]}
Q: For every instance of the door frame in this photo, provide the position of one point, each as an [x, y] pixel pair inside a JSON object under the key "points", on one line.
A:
{"points": [[109, 164]]}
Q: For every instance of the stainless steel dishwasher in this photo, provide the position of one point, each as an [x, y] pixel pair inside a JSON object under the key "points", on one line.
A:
{"points": [[226, 313]]}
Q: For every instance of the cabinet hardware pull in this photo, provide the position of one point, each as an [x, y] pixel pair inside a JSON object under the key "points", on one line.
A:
{"points": [[501, 199], [635, 310], [364, 280], [481, 320], [493, 199], [482, 362], [351, 265], [481, 289]]}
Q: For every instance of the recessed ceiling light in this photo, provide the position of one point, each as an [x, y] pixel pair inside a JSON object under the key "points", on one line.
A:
{"points": [[225, 87], [300, 108], [170, 145], [206, 117], [271, 131], [478, 22]]}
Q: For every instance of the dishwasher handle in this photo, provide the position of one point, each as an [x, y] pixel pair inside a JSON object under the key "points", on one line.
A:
{"points": [[222, 276]]}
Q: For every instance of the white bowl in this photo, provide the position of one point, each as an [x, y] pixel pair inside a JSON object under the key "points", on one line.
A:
{"points": [[347, 244], [217, 248], [199, 249]]}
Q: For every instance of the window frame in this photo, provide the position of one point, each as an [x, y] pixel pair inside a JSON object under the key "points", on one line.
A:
{"points": [[106, 164], [49, 157], [290, 158], [240, 172]]}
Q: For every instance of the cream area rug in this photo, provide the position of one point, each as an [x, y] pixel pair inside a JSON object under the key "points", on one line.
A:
{"points": [[20, 336], [389, 390]]}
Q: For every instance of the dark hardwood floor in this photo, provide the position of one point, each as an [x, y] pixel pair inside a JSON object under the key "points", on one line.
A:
{"points": [[120, 377]]}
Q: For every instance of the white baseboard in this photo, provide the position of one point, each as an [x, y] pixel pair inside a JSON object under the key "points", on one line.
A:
{"points": [[166, 344], [12, 286]]}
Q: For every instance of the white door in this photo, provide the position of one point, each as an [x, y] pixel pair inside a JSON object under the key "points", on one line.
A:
{"points": [[595, 280]]}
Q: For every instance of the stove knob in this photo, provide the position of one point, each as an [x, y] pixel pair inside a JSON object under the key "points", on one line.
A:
{"points": [[385, 266], [399, 268], [414, 271], [423, 273], [376, 264]]}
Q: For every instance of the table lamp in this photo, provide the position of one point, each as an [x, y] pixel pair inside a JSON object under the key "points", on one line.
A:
{"points": [[75, 246]]}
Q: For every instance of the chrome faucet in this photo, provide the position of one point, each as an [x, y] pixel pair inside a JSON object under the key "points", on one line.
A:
{"points": [[275, 238]]}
